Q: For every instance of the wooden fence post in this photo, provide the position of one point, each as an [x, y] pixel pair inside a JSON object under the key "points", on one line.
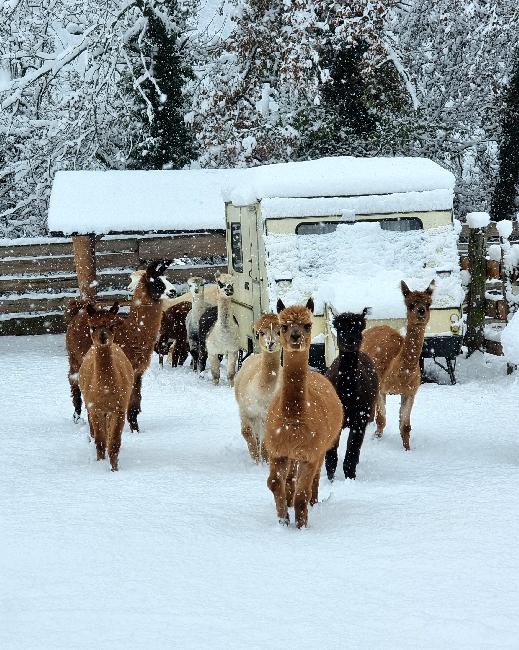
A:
{"points": [[85, 260], [475, 336]]}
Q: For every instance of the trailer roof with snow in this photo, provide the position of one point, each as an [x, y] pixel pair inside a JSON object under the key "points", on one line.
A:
{"points": [[99, 202]]}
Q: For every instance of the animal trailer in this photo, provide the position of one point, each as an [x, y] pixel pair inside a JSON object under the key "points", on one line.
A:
{"points": [[346, 231]]}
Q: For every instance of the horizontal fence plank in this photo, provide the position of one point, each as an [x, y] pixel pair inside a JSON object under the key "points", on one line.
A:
{"points": [[206, 245], [63, 264], [37, 279]]}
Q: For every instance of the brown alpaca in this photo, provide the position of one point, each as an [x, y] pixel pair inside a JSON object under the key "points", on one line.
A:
{"points": [[106, 381], [397, 359], [173, 335], [136, 335], [303, 422], [256, 383]]}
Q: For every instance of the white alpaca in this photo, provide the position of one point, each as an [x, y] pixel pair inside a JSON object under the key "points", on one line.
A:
{"points": [[196, 290], [256, 384], [223, 337]]}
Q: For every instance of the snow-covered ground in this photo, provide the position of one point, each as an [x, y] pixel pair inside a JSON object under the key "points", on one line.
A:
{"points": [[181, 548]]}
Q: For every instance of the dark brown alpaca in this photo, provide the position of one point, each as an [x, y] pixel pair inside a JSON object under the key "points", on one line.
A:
{"points": [[136, 335], [106, 381], [355, 379], [397, 359], [303, 421], [173, 334]]}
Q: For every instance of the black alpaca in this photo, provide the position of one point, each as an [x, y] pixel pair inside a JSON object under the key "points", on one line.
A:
{"points": [[355, 379]]}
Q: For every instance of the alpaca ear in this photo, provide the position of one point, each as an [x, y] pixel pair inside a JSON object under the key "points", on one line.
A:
{"points": [[90, 309], [405, 289], [310, 305], [366, 311], [114, 308], [157, 268], [280, 305], [430, 288]]}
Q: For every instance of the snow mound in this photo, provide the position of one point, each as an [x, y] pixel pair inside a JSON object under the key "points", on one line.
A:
{"points": [[360, 265], [192, 199], [504, 228], [341, 176], [478, 219], [377, 204], [510, 340]]}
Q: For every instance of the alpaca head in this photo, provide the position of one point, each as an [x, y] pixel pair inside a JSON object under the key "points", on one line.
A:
{"points": [[156, 284], [268, 332], [296, 326], [152, 279], [418, 304], [102, 323], [225, 283], [349, 329], [196, 286]]}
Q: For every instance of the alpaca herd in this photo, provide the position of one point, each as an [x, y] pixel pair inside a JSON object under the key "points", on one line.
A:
{"points": [[291, 416]]}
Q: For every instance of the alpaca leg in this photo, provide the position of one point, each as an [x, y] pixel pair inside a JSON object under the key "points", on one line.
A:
{"points": [[315, 484], [276, 483], [215, 368], [75, 392], [263, 452], [380, 417], [250, 439], [134, 407], [305, 478], [331, 459], [98, 424], [161, 360], [290, 485], [183, 353], [232, 358], [355, 439], [194, 354], [114, 438], [406, 405]]}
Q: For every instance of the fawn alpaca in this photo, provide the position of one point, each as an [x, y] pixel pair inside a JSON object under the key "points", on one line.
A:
{"points": [[256, 383], [136, 335], [303, 421], [222, 337], [355, 379], [397, 359], [106, 381], [197, 290]]}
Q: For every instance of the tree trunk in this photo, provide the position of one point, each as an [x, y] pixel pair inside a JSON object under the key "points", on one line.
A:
{"points": [[85, 261], [474, 337]]}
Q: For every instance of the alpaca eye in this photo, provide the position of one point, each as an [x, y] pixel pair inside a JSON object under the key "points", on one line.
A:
{"points": [[261, 333], [308, 327], [284, 328]]}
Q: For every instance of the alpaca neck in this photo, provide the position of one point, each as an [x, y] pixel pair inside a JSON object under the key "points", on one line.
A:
{"points": [[348, 363], [412, 348], [294, 397], [142, 305], [141, 295], [269, 368], [103, 359], [198, 307], [224, 311]]}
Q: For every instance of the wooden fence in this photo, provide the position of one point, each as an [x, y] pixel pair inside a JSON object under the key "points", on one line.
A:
{"points": [[38, 278], [496, 308]]}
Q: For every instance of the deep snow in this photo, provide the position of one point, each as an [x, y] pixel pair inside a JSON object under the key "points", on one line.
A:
{"points": [[181, 548]]}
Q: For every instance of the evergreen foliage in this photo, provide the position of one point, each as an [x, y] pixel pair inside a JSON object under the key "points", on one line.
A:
{"points": [[504, 200], [169, 143]]}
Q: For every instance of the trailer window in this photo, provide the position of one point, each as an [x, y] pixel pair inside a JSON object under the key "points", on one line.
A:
{"points": [[405, 224], [317, 227], [236, 247]]}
